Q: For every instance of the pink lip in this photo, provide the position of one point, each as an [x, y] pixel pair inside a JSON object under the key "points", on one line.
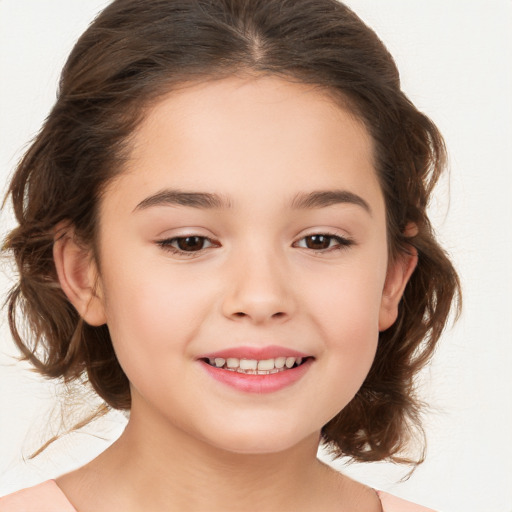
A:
{"points": [[259, 353], [258, 384]]}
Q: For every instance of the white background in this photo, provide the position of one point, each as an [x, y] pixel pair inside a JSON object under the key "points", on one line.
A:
{"points": [[455, 59]]}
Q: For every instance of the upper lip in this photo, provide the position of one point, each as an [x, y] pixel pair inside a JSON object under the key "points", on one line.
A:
{"points": [[258, 353]]}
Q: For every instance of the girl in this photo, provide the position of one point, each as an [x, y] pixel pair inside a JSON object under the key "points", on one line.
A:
{"points": [[222, 226]]}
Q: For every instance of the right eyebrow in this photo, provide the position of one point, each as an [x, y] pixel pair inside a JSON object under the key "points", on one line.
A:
{"points": [[325, 198], [171, 197]]}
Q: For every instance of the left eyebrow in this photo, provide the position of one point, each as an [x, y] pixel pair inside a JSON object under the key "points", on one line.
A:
{"points": [[324, 198], [170, 197]]}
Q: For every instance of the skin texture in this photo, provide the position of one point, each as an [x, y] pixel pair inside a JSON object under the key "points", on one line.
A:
{"points": [[193, 443]]}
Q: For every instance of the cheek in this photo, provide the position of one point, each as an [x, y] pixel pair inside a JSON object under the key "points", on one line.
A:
{"points": [[151, 312], [347, 301], [346, 315], [151, 323]]}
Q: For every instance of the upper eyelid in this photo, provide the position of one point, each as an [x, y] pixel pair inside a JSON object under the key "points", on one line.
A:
{"points": [[214, 240], [169, 239], [326, 232]]}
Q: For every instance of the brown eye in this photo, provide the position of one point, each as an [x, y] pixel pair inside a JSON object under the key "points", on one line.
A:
{"points": [[323, 242], [190, 243], [186, 244], [318, 242]]}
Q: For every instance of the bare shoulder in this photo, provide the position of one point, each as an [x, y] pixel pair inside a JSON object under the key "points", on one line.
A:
{"points": [[351, 495], [94, 487], [82, 489]]}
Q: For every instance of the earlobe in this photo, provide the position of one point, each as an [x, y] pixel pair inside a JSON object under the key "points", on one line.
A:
{"points": [[397, 277], [78, 275]]}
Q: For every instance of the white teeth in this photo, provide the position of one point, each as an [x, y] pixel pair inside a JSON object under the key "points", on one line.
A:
{"points": [[219, 362], [253, 366], [248, 364], [290, 361], [266, 364], [279, 362], [232, 362]]}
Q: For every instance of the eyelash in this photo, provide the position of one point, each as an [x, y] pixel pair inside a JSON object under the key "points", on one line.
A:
{"points": [[166, 245], [342, 243]]}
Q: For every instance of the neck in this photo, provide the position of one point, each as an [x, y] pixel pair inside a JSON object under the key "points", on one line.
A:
{"points": [[156, 466], [163, 468]]}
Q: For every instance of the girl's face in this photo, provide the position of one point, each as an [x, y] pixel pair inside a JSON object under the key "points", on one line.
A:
{"points": [[249, 225]]}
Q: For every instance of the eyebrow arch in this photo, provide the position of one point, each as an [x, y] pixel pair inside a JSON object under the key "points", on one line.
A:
{"points": [[323, 198], [169, 197], [205, 200]]}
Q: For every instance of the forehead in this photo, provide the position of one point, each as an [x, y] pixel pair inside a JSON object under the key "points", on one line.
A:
{"points": [[248, 137]]}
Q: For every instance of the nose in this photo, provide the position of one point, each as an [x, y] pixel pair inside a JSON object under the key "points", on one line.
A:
{"points": [[258, 289]]}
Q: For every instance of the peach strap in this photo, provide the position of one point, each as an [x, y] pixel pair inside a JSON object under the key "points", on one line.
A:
{"points": [[391, 503], [45, 497]]}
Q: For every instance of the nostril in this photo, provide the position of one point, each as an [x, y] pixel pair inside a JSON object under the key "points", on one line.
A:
{"points": [[259, 316]]}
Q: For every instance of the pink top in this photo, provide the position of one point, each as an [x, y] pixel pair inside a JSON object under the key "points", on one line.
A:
{"points": [[47, 497]]}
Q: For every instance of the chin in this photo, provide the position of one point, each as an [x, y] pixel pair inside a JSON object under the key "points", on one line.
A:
{"points": [[261, 442]]}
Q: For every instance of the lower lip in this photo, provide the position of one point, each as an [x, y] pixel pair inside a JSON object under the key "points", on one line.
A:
{"points": [[261, 384]]}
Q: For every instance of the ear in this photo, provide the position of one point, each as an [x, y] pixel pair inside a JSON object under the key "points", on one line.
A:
{"points": [[398, 275], [78, 275]]}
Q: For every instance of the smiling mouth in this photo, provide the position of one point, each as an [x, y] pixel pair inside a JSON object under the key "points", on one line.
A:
{"points": [[256, 366]]}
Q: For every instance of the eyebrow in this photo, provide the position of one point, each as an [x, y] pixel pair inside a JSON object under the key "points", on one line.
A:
{"points": [[206, 200], [324, 198], [179, 198]]}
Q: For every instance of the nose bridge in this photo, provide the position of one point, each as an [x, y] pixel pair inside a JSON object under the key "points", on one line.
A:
{"points": [[258, 285]]}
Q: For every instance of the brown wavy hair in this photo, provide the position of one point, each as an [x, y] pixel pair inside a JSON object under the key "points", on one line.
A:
{"points": [[136, 51]]}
